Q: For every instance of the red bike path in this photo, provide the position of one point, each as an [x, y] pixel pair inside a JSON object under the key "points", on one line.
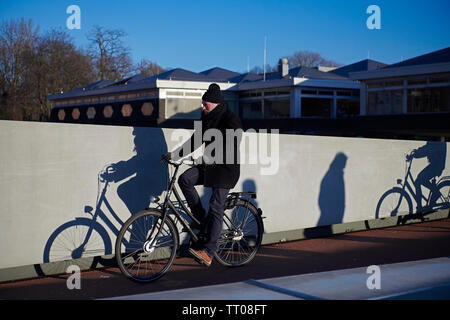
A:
{"points": [[350, 250]]}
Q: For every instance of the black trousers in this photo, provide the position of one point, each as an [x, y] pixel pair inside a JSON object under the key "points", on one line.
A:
{"points": [[187, 182]]}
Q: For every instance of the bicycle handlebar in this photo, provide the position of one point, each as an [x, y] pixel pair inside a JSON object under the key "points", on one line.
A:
{"points": [[102, 175], [188, 161]]}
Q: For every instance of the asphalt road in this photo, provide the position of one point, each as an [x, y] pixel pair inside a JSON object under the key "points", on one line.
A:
{"points": [[358, 249]]}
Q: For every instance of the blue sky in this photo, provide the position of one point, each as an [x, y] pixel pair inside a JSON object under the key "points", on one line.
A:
{"points": [[198, 35]]}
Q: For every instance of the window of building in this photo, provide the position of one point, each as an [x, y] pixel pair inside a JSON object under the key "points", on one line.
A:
{"points": [[347, 108], [276, 108], [127, 110], [108, 111], [344, 93], [232, 105], [250, 94], [429, 100], [325, 93], [397, 83], [193, 94], [316, 107], [147, 108], [442, 79], [377, 84], [306, 91], [90, 113], [384, 102], [75, 114], [251, 110], [179, 108], [420, 81], [61, 114], [175, 93]]}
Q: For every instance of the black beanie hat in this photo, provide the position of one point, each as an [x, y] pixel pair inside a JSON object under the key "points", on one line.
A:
{"points": [[213, 94]]}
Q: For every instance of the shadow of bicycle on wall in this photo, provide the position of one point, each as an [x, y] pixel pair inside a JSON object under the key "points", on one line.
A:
{"points": [[85, 241], [405, 201]]}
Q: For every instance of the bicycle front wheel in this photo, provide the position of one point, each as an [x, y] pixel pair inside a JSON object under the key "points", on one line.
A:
{"points": [[75, 242], [241, 235], [145, 249], [393, 203]]}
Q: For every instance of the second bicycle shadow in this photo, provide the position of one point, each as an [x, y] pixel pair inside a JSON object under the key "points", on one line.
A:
{"points": [[418, 194]]}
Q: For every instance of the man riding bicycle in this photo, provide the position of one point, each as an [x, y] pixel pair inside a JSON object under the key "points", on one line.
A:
{"points": [[218, 173], [436, 154]]}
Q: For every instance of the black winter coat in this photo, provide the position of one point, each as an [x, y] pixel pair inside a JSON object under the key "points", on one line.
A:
{"points": [[224, 174]]}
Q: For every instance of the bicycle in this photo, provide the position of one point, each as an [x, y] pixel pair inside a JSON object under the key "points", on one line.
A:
{"points": [[149, 241], [84, 237], [397, 201]]}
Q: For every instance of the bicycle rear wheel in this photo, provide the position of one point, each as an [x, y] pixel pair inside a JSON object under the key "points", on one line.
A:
{"points": [[142, 257], [443, 201], [241, 235]]}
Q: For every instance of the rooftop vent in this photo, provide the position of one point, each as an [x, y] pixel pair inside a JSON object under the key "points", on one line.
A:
{"points": [[283, 68]]}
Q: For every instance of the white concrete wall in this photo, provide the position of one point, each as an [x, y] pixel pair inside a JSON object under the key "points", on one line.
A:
{"points": [[48, 174]]}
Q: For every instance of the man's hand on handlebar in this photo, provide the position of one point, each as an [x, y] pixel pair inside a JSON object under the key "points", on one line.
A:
{"points": [[410, 156], [106, 174], [167, 156]]}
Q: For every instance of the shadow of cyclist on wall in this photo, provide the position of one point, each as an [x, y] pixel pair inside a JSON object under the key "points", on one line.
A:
{"points": [[148, 178], [150, 174], [331, 198], [436, 153]]}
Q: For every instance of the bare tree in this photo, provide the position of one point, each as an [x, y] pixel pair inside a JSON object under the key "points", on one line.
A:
{"points": [[148, 68], [260, 70], [300, 58], [17, 40], [111, 57], [34, 66], [309, 59], [57, 65]]}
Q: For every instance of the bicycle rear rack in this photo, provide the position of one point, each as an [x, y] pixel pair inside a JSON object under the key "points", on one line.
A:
{"points": [[252, 194]]}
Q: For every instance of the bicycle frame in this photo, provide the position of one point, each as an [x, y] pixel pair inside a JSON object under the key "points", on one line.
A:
{"points": [[168, 204], [98, 213], [408, 185]]}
